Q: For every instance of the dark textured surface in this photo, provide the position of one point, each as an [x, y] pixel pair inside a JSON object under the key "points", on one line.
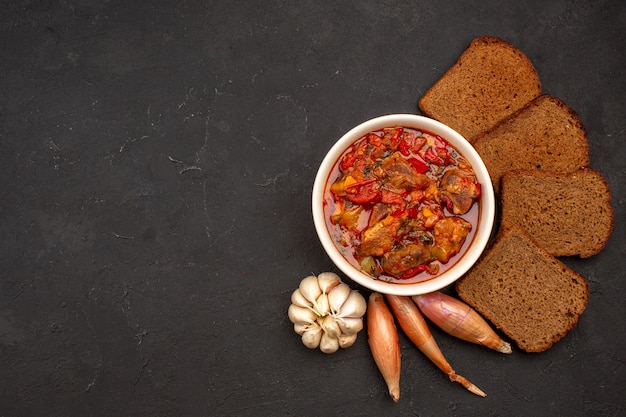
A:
{"points": [[157, 158]]}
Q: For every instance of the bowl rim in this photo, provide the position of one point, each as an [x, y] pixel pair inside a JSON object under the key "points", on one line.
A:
{"points": [[485, 222]]}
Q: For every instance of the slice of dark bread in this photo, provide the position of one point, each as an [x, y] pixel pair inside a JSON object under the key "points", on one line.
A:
{"points": [[566, 213], [525, 292], [544, 135], [490, 80]]}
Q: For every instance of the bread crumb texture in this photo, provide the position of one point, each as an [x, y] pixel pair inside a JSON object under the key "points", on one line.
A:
{"points": [[553, 207], [530, 296], [491, 80], [544, 135]]}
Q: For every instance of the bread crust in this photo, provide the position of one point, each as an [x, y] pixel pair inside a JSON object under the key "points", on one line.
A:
{"points": [[491, 79], [544, 135], [492, 96], [535, 301], [567, 214]]}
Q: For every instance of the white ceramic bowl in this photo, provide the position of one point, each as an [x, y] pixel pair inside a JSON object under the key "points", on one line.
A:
{"points": [[485, 222]]}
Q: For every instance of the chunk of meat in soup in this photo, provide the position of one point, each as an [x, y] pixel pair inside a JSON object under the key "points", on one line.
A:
{"points": [[398, 261], [460, 187], [401, 176], [379, 238], [379, 212], [449, 234]]}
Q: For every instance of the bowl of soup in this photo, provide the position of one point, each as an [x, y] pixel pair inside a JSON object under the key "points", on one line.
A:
{"points": [[403, 204]]}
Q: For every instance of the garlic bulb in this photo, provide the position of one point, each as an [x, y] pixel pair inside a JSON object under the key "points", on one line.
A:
{"points": [[326, 313]]}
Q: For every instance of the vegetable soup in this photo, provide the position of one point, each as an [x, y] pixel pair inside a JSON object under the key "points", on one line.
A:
{"points": [[402, 204]]}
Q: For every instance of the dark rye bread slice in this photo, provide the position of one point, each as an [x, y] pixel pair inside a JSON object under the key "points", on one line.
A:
{"points": [[525, 292], [566, 213], [544, 135], [490, 80]]}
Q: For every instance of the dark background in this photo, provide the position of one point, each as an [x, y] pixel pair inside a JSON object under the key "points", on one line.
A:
{"points": [[156, 163]]}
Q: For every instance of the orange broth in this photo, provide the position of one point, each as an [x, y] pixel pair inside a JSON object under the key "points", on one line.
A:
{"points": [[349, 241]]}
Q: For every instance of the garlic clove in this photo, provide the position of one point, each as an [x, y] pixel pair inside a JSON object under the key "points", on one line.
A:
{"points": [[345, 340], [329, 344], [327, 281], [298, 299], [321, 305], [354, 306], [337, 296], [301, 315], [310, 288], [312, 337], [300, 328], [331, 326], [350, 325]]}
